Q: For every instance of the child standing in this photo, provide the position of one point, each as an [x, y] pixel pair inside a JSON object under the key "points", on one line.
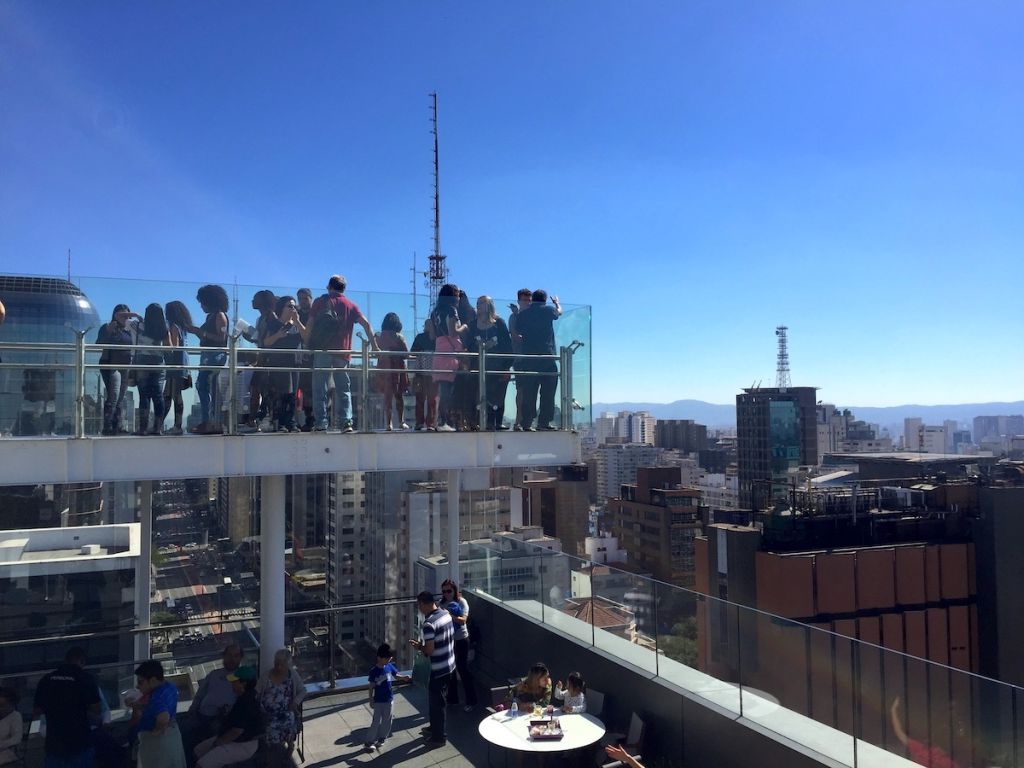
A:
{"points": [[382, 675]]}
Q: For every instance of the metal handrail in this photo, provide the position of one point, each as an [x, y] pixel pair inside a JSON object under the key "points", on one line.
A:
{"points": [[80, 364]]}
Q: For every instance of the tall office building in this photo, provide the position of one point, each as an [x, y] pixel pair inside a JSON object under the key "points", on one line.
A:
{"points": [[559, 502], [776, 432]]}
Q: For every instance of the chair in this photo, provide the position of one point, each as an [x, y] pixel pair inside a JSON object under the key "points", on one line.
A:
{"points": [[499, 695], [631, 741], [595, 703]]}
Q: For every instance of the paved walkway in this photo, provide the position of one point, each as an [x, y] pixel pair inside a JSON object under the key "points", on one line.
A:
{"points": [[335, 728]]}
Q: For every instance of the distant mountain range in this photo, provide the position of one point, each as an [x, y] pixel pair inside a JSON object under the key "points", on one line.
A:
{"points": [[716, 415]]}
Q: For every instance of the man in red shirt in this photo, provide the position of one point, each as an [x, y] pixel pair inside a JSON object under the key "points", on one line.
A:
{"points": [[331, 320]]}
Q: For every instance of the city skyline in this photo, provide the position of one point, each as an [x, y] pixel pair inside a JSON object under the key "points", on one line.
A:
{"points": [[706, 173]]}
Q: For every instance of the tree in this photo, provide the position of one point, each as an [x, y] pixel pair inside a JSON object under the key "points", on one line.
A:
{"points": [[681, 644]]}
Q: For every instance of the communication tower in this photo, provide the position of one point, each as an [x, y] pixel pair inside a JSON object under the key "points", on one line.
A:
{"points": [[437, 274], [782, 361]]}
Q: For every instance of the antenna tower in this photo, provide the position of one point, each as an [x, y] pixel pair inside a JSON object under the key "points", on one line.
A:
{"points": [[437, 274], [782, 364]]}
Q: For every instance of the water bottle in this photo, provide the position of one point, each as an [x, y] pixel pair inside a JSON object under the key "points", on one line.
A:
{"points": [[514, 709]]}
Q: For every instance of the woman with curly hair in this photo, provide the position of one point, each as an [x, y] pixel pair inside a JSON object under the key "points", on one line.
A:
{"points": [[212, 333]]}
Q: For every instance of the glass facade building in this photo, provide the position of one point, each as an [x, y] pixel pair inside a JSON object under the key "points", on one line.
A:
{"points": [[40, 310]]}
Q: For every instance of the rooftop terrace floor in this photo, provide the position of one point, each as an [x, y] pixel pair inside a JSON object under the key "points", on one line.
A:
{"points": [[335, 726]]}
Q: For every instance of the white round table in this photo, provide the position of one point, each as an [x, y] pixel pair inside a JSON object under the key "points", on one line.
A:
{"points": [[503, 730]]}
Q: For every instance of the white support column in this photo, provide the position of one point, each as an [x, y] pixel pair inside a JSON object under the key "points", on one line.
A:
{"points": [[271, 568], [454, 504], [143, 578]]}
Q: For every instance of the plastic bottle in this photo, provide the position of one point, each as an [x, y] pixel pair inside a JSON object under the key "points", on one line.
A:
{"points": [[514, 709]]}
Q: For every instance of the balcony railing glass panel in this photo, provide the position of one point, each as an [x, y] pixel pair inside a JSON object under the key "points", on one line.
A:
{"points": [[50, 395]]}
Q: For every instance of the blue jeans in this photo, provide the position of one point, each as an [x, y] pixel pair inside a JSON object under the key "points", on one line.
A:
{"points": [[151, 392], [322, 379], [206, 386]]}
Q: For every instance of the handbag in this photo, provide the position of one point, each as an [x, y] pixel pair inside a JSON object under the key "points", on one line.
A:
{"points": [[186, 383], [421, 670]]}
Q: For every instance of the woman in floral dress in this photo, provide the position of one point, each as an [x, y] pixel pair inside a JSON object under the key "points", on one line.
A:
{"points": [[280, 691]]}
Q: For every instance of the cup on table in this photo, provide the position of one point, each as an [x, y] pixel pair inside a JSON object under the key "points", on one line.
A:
{"points": [[549, 710], [537, 711]]}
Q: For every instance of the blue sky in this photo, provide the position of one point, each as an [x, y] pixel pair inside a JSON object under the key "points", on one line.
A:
{"points": [[697, 172]]}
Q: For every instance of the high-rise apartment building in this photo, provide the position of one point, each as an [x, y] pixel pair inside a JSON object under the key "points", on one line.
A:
{"points": [[776, 432], [630, 426], [680, 435], [655, 521], [617, 464], [989, 427]]}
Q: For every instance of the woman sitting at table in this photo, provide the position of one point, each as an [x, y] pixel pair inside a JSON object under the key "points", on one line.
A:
{"points": [[534, 689]]}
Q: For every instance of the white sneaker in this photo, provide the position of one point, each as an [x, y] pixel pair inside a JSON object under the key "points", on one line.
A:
{"points": [[446, 428]]}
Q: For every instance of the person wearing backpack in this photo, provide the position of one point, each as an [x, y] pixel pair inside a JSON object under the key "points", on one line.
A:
{"points": [[329, 334]]}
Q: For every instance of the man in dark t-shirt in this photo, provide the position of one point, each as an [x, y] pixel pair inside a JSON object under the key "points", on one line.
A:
{"points": [[536, 327], [68, 697], [241, 728]]}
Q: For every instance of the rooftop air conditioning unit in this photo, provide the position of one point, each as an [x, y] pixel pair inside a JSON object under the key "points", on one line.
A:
{"points": [[91, 549]]}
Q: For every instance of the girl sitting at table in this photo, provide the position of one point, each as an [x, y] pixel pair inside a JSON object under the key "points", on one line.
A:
{"points": [[573, 697], [534, 689]]}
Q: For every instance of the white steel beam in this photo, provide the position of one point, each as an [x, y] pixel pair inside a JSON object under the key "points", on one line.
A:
{"points": [[29, 460]]}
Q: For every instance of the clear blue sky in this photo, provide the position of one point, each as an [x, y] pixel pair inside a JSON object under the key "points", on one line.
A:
{"points": [[698, 172]]}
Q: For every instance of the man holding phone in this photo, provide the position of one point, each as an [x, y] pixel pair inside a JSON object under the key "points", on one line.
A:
{"points": [[438, 645]]}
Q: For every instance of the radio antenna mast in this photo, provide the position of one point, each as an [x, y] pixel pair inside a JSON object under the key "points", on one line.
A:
{"points": [[782, 361], [69, 265], [437, 275], [412, 280]]}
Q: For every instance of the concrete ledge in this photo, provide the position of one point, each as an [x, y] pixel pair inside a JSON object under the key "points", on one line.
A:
{"points": [[29, 460]]}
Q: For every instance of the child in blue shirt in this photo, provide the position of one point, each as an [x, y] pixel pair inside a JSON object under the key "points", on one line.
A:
{"points": [[382, 675]]}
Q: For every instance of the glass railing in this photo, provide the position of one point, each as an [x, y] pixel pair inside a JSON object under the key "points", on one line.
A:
{"points": [[56, 380], [846, 699]]}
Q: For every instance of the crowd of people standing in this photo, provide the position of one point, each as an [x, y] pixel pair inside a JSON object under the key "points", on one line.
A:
{"points": [[304, 349]]}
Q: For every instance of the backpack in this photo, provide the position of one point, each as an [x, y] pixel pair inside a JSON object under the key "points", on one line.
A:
{"points": [[326, 326]]}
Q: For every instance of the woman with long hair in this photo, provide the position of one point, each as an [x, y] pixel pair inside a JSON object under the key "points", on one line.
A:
{"points": [[447, 340], [396, 381], [284, 331], [119, 334], [179, 320], [152, 333], [491, 334], [459, 609], [212, 333], [535, 688]]}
